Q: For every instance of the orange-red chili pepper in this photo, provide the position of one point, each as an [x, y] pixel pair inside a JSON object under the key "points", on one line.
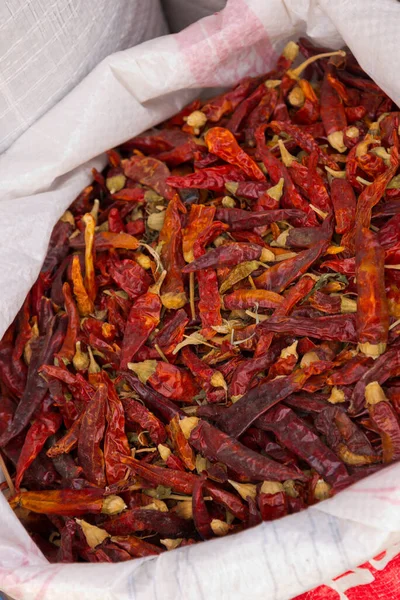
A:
{"points": [[222, 143]]}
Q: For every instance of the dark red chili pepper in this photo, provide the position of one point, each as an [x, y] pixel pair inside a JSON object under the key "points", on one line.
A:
{"points": [[293, 433], [385, 419], [41, 429], [331, 327], [238, 417], [135, 546], [216, 445], [172, 333], [166, 524], [43, 351], [245, 108], [385, 367], [344, 437], [227, 255], [260, 115], [137, 413], [201, 515], [304, 140]]}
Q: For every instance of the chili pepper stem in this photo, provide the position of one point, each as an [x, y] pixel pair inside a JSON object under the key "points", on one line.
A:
{"points": [[191, 295], [161, 353], [295, 73], [7, 475]]}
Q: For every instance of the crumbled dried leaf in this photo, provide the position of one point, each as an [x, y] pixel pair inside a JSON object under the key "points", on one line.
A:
{"points": [[94, 535], [244, 489]]}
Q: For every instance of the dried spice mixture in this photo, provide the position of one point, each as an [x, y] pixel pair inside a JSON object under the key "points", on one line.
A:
{"points": [[214, 338]]}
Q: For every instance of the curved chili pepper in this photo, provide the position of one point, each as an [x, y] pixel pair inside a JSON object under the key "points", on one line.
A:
{"points": [[149, 171], [280, 276], [209, 379], [222, 143], [42, 428], [143, 318], [276, 170], [91, 432], [169, 380], [153, 400]]}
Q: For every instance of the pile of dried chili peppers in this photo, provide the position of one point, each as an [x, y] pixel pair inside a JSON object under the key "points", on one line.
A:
{"points": [[214, 338]]}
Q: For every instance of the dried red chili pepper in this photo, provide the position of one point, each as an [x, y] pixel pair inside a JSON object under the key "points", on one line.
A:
{"points": [[143, 318], [91, 432], [130, 277], [372, 308], [173, 291], [333, 114], [277, 171], [42, 428], [238, 417], [213, 178], [152, 400], [209, 379], [280, 276], [385, 419], [345, 438], [222, 143], [201, 517], [216, 445], [135, 412], [227, 255], [68, 502], [344, 204], [169, 380], [210, 301], [136, 547], [214, 109], [293, 433], [148, 171], [67, 351]]}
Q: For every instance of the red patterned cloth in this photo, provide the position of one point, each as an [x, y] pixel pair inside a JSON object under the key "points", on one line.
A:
{"points": [[378, 579]]}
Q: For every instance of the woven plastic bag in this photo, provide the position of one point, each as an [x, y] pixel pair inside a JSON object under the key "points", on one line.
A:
{"points": [[46, 48], [39, 177]]}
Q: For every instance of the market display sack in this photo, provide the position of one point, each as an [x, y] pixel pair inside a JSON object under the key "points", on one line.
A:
{"points": [[130, 92]]}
